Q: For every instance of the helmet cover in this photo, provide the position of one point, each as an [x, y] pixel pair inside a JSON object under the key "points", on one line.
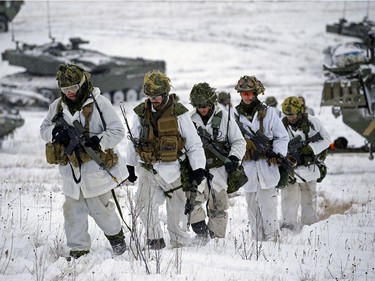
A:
{"points": [[70, 74], [250, 84], [156, 83], [291, 105], [202, 94]]}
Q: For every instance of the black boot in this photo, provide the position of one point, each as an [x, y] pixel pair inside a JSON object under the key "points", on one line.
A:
{"points": [[77, 254], [156, 244], [117, 242], [200, 228]]}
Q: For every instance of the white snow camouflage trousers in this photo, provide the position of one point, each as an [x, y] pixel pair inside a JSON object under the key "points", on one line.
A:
{"points": [[150, 196], [76, 212], [292, 196]]}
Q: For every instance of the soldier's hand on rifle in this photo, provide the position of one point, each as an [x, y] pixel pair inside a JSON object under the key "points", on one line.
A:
{"points": [[188, 207], [60, 135], [93, 142], [273, 160], [233, 164], [197, 175], [132, 177]]}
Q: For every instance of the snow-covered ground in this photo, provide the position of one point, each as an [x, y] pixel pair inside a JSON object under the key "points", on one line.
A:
{"points": [[216, 42]]}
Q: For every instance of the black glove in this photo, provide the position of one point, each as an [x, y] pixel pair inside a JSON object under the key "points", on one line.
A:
{"points": [[60, 135], [93, 142], [232, 165], [197, 175], [188, 207], [132, 177]]}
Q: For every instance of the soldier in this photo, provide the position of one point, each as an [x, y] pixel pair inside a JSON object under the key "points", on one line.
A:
{"points": [[224, 100], [166, 137], [306, 109], [216, 128], [87, 187], [302, 193], [271, 101], [261, 169]]}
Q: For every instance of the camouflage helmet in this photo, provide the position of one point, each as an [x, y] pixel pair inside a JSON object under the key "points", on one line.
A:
{"points": [[156, 83], [291, 105], [271, 101], [250, 84], [223, 96], [202, 94], [71, 74]]}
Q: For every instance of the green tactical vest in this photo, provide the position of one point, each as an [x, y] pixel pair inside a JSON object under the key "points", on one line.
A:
{"points": [[160, 139]]}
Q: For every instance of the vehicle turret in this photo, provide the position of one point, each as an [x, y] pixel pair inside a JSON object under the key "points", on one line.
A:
{"points": [[350, 88], [119, 78]]}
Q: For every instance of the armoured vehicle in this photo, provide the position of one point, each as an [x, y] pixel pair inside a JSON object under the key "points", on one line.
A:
{"points": [[350, 86], [10, 119], [119, 78], [8, 10], [352, 29]]}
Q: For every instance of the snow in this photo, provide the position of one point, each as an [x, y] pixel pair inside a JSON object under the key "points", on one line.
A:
{"points": [[282, 44]]}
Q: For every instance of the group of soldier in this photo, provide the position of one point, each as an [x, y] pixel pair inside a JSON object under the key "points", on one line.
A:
{"points": [[190, 160]]}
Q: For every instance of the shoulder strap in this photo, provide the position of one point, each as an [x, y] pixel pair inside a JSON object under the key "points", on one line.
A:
{"points": [[215, 124], [262, 111]]}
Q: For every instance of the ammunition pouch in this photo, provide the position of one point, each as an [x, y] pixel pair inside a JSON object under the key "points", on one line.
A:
{"points": [[109, 157], [147, 156], [168, 148], [250, 150], [55, 154], [236, 179]]}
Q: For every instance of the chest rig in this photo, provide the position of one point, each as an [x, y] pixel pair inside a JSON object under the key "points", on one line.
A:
{"points": [[212, 161], [262, 111], [160, 139], [56, 152]]}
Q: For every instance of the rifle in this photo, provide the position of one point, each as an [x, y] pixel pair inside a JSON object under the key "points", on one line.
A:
{"points": [[77, 141], [237, 178], [130, 136], [296, 144], [264, 147], [221, 154]]}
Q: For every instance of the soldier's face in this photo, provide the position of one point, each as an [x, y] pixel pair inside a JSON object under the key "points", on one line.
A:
{"points": [[71, 95], [156, 100], [203, 110], [292, 118], [248, 97]]}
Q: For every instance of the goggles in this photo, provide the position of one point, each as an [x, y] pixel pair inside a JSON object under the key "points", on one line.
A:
{"points": [[155, 97], [247, 94], [73, 88]]}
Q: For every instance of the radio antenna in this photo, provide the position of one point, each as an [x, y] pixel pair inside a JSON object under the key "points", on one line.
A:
{"points": [[49, 24]]}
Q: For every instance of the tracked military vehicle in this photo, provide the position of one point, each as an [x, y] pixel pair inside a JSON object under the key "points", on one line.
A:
{"points": [[350, 87], [8, 10], [119, 78], [353, 29], [10, 120]]}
